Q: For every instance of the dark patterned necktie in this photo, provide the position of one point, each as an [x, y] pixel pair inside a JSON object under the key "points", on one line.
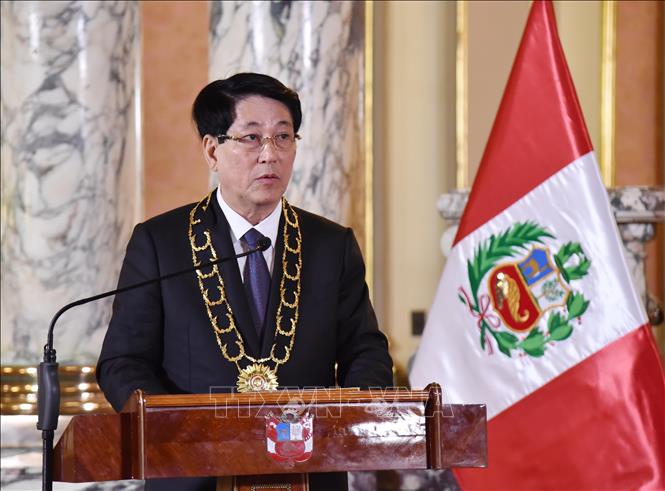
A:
{"points": [[257, 280]]}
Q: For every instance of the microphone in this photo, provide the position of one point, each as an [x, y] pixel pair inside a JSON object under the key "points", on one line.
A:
{"points": [[263, 243], [48, 384]]}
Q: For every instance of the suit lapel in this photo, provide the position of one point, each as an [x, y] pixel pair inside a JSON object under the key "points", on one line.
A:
{"points": [[235, 292], [273, 301]]}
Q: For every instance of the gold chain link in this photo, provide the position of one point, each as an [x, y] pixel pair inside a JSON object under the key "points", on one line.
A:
{"points": [[289, 284]]}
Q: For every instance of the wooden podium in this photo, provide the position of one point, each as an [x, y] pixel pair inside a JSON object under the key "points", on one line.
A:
{"points": [[272, 439]]}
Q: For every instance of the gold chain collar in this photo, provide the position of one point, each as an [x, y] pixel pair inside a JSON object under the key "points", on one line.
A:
{"points": [[257, 374]]}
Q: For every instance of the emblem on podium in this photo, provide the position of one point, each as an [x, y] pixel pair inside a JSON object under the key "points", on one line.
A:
{"points": [[290, 435]]}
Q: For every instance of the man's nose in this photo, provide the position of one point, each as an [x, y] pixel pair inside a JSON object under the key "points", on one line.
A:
{"points": [[268, 150]]}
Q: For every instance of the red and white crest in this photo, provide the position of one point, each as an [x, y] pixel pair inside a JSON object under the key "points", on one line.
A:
{"points": [[289, 437]]}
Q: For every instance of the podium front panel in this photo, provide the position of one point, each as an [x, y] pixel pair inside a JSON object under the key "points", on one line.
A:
{"points": [[226, 440], [280, 432]]}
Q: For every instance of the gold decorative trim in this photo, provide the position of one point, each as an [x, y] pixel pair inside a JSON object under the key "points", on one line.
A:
{"points": [[274, 487], [608, 92], [369, 145], [462, 94], [141, 433], [79, 392]]}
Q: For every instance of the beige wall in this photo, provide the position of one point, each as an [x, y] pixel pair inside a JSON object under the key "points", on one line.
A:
{"points": [[414, 160], [579, 26], [640, 119], [494, 30], [175, 68]]}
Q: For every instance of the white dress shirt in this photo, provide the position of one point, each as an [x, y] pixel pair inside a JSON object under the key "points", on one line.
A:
{"points": [[239, 226]]}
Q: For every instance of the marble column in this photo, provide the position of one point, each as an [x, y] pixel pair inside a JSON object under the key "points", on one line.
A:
{"points": [[70, 169], [318, 49]]}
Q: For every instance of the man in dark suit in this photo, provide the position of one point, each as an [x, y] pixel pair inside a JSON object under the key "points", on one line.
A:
{"points": [[297, 314]]}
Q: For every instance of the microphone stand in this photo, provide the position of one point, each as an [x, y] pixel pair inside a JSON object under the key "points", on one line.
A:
{"points": [[48, 383]]}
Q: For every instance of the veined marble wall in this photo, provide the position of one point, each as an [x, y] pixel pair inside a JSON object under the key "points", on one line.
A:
{"points": [[69, 169], [318, 49]]}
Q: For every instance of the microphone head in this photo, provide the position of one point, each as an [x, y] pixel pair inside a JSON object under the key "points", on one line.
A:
{"points": [[263, 243]]}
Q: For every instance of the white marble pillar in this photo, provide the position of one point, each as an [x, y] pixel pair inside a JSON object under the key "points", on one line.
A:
{"points": [[318, 49], [70, 169]]}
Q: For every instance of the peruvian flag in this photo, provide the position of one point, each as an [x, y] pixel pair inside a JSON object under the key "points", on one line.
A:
{"points": [[536, 314]]}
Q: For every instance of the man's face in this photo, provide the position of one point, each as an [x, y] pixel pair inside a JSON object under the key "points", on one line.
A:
{"points": [[252, 181]]}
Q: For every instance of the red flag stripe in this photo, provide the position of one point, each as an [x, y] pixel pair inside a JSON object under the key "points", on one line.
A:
{"points": [[539, 128], [599, 425]]}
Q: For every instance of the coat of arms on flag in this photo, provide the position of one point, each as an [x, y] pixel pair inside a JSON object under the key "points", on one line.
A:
{"points": [[289, 436], [521, 294]]}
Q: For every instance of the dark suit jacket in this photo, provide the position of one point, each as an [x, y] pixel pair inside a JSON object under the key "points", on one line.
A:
{"points": [[160, 338]]}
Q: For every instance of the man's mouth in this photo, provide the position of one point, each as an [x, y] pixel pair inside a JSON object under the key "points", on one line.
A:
{"points": [[267, 177]]}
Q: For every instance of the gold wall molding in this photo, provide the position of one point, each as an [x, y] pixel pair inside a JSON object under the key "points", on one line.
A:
{"points": [[79, 392], [368, 100], [608, 92], [461, 94]]}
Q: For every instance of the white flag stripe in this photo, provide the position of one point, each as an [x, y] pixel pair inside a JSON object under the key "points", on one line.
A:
{"points": [[450, 347]]}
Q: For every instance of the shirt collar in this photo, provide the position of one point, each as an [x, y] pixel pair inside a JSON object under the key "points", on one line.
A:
{"points": [[268, 227]]}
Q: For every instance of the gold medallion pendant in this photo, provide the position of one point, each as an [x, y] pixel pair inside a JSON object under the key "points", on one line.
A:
{"points": [[257, 377]]}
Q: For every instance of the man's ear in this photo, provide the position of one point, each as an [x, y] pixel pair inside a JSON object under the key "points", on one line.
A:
{"points": [[209, 145]]}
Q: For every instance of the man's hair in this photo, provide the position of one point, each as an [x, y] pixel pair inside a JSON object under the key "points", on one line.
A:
{"points": [[214, 109]]}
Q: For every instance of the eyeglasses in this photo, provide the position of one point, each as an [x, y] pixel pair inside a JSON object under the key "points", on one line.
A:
{"points": [[253, 142]]}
